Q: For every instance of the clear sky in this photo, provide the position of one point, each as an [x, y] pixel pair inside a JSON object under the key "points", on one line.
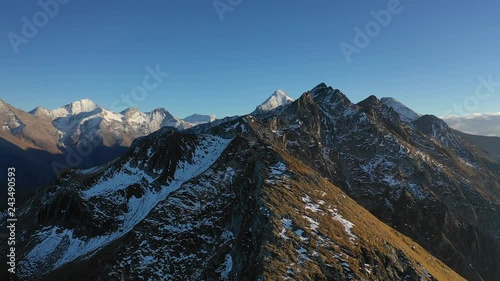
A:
{"points": [[429, 54]]}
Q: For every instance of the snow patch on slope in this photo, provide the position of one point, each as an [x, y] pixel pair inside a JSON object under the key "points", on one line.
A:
{"points": [[347, 224], [405, 113], [118, 181], [226, 267]]}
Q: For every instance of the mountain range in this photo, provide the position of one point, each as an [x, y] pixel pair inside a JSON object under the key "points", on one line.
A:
{"points": [[42, 143], [483, 130], [85, 123], [476, 124], [317, 188]]}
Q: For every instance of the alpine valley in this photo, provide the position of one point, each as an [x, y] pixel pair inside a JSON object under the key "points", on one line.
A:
{"points": [[317, 188]]}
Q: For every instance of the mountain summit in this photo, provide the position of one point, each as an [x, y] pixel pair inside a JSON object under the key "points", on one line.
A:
{"points": [[405, 113], [76, 107], [277, 99], [71, 109], [322, 189]]}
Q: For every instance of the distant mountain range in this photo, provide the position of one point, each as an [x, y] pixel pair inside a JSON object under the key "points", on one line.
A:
{"points": [[82, 134], [317, 188], [277, 99], [83, 124], [470, 127], [43, 143], [487, 124]]}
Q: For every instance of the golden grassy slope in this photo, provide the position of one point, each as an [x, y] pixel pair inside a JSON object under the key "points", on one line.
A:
{"points": [[374, 239]]}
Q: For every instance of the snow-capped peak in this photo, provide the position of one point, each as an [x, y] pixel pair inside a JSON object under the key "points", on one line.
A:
{"points": [[405, 113], [277, 99], [74, 108], [84, 105]]}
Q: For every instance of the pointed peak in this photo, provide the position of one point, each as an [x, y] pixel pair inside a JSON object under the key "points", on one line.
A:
{"points": [[39, 111], [429, 123], [280, 93], [390, 100], [323, 92], [160, 111], [39, 108], [405, 113], [277, 99], [369, 102], [320, 86], [373, 98]]}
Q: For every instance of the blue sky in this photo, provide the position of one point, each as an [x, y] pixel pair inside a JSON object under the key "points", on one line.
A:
{"points": [[430, 54]]}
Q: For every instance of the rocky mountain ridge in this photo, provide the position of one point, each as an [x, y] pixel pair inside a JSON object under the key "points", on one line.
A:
{"points": [[268, 196]]}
